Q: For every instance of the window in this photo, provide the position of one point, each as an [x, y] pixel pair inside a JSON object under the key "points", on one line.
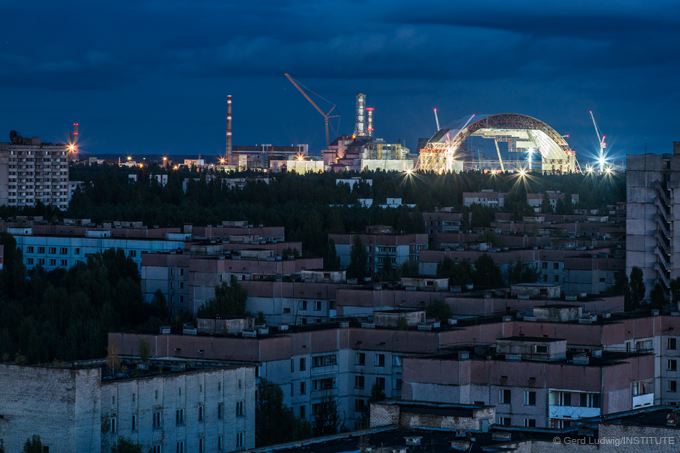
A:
{"points": [[134, 422], [556, 266], [323, 384], [672, 343], [292, 365], [529, 398], [239, 408], [303, 411], [64, 263], [201, 445], [133, 253], [156, 449], [29, 249], [220, 410], [504, 421], [52, 250], [672, 365], [220, 442], [317, 305], [359, 405], [180, 447], [380, 382], [112, 424], [303, 364], [156, 419], [504, 396], [179, 417], [540, 349], [380, 360], [358, 382], [672, 386], [239, 439], [78, 253], [324, 360], [304, 305], [589, 400], [530, 422], [361, 358], [63, 251], [303, 388], [200, 412], [29, 261]]}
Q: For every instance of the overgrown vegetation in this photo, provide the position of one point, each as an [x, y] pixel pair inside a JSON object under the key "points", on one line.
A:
{"points": [[66, 314]]}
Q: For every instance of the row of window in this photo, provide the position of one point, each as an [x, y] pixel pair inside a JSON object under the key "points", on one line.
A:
{"points": [[51, 250], [507, 421], [157, 417], [180, 447], [41, 262]]}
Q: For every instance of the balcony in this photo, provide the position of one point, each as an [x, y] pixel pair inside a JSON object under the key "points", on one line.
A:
{"points": [[572, 412], [643, 400]]}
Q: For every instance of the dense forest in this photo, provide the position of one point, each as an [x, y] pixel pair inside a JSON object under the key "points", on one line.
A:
{"points": [[309, 206], [66, 314]]}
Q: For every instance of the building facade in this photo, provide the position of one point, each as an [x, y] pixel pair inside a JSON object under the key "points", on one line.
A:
{"points": [[163, 406], [33, 172], [653, 207]]}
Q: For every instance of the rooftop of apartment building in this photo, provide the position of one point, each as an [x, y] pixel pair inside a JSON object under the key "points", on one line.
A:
{"points": [[527, 349], [38, 226], [124, 368]]}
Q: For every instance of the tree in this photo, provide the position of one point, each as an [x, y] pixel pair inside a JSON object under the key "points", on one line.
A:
{"points": [[230, 300], [458, 273], [144, 350], [331, 260], [439, 310], [275, 423], [326, 419], [636, 288], [377, 393], [358, 260], [522, 273], [545, 204], [658, 296], [675, 290], [125, 446], [33, 445], [486, 273]]}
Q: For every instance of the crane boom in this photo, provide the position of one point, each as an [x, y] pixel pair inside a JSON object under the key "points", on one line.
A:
{"points": [[436, 119], [601, 158], [326, 115]]}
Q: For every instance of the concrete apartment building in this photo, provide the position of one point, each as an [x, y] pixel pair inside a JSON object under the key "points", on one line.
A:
{"points": [[188, 280], [32, 171], [653, 207], [65, 250], [397, 248], [532, 381], [165, 405], [635, 357]]}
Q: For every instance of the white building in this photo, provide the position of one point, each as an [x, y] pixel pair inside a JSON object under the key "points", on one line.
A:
{"points": [[32, 172], [486, 197], [171, 406]]}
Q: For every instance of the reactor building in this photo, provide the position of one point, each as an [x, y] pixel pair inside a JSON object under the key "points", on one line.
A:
{"points": [[362, 151]]}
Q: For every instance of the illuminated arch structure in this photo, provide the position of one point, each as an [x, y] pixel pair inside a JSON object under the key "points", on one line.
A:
{"points": [[522, 133]]}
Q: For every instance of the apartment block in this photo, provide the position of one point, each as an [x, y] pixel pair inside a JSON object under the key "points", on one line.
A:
{"points": [[398, 249], [163, 405], [33, 172], [652, 210]]}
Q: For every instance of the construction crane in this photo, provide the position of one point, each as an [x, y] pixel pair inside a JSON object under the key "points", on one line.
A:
{"points": [[436, 119], [602, 144], [326, 115]]}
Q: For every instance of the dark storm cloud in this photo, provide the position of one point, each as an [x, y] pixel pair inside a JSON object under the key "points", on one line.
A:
{"points": [[620, 57]]}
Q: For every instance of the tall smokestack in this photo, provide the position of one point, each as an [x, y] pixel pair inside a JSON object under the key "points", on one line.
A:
{"points": [[369, 121], [229, 149], [359, 129]]}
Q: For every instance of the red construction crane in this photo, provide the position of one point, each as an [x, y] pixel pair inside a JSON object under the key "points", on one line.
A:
{"points": [[326, 115]]}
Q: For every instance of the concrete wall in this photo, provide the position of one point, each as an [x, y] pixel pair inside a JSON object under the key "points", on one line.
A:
{"points": [[61, 406]]}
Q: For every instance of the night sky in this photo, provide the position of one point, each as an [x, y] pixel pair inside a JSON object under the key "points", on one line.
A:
{"points": [[149, 77]]}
